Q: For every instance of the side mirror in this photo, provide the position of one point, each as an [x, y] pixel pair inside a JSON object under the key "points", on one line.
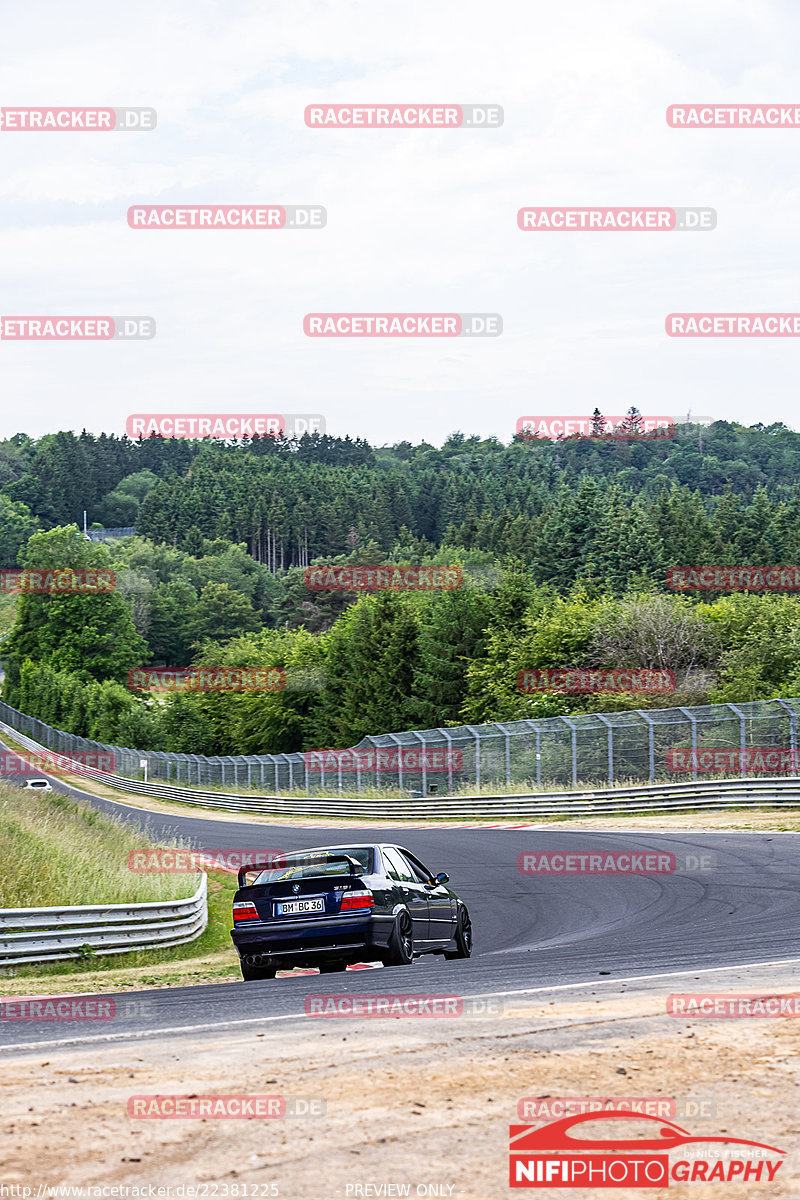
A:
{"points": [[442, 877]]}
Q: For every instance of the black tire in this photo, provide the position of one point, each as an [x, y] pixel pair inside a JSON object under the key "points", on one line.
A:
{"points": [[329, 968], [401, 943], [249, 973], [463, 936]]}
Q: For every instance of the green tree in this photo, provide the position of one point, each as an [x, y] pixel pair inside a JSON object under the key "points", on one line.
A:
{"points": [[92, 635], [173, 620], [222, 613], [451, 635], [17, 524]]}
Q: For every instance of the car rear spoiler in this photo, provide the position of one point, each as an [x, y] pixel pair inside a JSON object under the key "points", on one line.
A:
{"points": [[354, 865]]}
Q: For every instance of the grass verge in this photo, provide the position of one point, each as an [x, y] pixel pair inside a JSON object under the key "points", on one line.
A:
{"points": [[56, 850]]}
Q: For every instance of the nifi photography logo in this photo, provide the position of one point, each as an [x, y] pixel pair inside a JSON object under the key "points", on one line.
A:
{"points": [[646, 1152]]}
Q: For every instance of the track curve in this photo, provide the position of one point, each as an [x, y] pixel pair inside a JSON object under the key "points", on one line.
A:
{"points": [[530, 931]]}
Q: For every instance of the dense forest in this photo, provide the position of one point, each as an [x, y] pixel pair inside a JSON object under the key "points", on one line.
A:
{"points": [[564, 548], [293, 501]]}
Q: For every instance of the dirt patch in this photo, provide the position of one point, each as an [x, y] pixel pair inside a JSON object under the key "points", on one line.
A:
{"points": [[407, 1102]]}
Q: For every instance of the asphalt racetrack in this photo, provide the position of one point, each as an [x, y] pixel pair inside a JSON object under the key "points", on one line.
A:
{"points": [[736, 901]]}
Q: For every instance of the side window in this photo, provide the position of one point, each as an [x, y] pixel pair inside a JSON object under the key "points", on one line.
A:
{"points": [[397, 866], [421, 874], [389, 866]]}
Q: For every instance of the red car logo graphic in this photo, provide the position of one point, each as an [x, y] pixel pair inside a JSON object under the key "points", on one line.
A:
{"points": [[557, 1155], [557, 1136]]}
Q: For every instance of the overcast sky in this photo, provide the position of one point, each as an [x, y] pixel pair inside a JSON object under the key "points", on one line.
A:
{"points": [[418, 220]]}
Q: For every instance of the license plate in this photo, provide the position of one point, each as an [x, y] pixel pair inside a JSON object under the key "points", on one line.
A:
{"points": [[291, 908]]}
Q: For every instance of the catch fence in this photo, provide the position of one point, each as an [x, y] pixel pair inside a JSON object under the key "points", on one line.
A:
{"points": [[589, 749]]}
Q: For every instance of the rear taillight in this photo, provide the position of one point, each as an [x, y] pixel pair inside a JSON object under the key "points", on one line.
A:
{"points": [[244, 910], [353, 900]]}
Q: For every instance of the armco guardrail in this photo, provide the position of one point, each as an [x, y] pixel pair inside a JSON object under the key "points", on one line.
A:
{"points": [[675, 797], [37, 935]]}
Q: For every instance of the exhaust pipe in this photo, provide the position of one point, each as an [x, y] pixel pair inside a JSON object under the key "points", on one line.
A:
{"points": [[254, 960]]}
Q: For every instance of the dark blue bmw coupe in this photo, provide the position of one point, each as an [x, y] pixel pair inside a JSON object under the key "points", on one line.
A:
{"points": [[335, 905]]}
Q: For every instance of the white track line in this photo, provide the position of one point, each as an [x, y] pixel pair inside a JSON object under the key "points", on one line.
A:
{"points": [[136, 1035]]}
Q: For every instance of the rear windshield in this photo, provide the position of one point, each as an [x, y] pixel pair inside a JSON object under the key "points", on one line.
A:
{"points": [[316, 863]]}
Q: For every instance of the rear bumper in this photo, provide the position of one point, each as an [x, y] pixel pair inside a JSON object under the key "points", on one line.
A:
{"points": [[351, 935]]}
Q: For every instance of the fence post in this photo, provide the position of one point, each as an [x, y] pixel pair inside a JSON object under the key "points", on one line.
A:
{"points": [[535, 729], [792, 733], [449, 741], [399, 745], [508, 752], [651, 742], [424, 764], [538, 759], [574, 729], [369, 738], [477, 737], [742, 738], [687, 713], [610, 729]]}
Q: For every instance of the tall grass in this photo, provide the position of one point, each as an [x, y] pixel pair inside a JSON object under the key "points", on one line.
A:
{"points": [[55, 850]]}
